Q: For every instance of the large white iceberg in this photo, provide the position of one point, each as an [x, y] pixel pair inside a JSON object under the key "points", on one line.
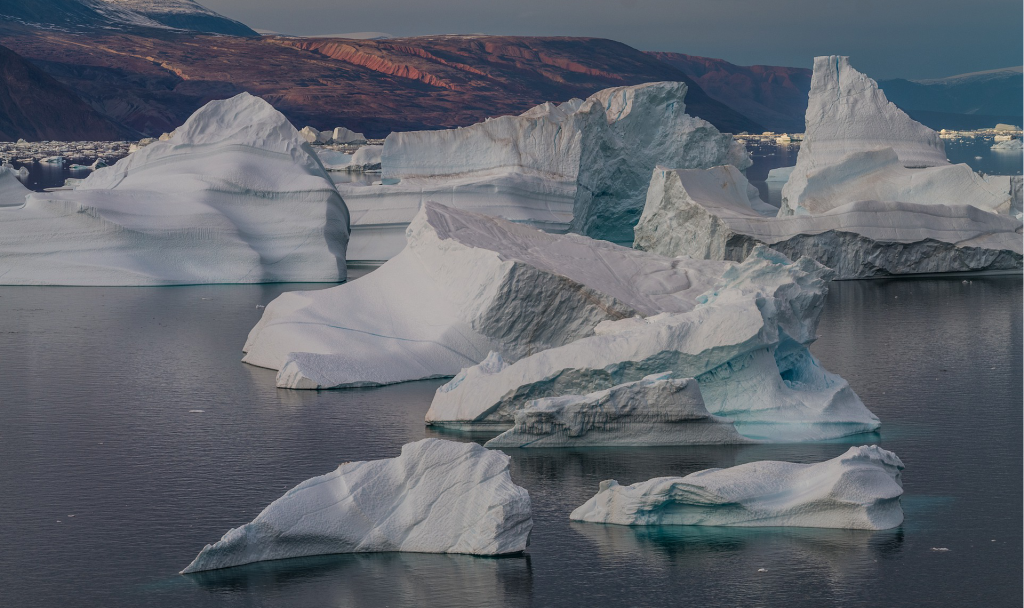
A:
{"points": [[465, 285], [436, 497], [581, 165], [655, 411], [707, 214], [859, 490], [746, 343], [235, 196], [859, 146]]}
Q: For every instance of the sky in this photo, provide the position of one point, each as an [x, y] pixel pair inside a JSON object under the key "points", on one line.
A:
{"points": [[884, 38]]}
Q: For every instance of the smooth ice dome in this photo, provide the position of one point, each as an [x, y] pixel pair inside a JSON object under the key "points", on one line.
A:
{"points": [[581, 165], [234, 196], [436, 497], [465, 285], [746, 343], [859, 490], [707, 214], [657, 410]]}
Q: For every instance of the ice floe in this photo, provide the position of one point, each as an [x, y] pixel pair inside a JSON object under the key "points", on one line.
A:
{"points": [[465, 285], [655, 411], [581, 165], [707, 214], [859, 490], [234, 196], [745, 343], [436, 497]]}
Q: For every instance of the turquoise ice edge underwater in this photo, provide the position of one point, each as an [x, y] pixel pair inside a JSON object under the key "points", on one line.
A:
{"points": [[96, 422]]}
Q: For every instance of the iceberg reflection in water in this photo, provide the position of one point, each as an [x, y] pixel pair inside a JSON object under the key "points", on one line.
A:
{"points": [[378, 579]]}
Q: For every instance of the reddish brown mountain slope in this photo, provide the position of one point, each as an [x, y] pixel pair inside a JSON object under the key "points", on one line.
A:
{"points": [[154, 82], [34, 106], [774, 96]]}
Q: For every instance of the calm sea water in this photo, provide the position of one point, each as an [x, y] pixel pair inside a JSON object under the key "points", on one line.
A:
{"points": [[112, 482]]}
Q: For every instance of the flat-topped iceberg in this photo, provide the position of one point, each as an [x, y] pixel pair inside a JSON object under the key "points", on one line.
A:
{"points": [[465, 285], [436, 497], [581, 165], [655, 411], [859, 490], [745, 343], [234, 196], [707, 214]]}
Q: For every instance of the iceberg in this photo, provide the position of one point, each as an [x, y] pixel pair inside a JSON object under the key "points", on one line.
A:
{"points": [[1012, 145], [707, 214], [655, 411], [12, 190], [859, 490], [465, 285], [366, 158], [341, 135], [436, 497], [579, 166], [860, 146], [234, 196], [746, 343]]}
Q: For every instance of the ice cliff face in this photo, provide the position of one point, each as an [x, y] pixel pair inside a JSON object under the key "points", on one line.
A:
{"points": [[644, 126], [706, 214], [465, 285], [235, 196], [657, 410], [859, 490], [745, 343], [436, 497], [581, 165]]}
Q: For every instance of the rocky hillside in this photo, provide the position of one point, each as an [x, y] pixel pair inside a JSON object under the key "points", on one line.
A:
{"points": [[774, 96], [153, 82], [34, 106]]}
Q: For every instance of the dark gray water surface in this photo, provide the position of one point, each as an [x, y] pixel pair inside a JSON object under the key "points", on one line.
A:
{"points": [[110, 484]]}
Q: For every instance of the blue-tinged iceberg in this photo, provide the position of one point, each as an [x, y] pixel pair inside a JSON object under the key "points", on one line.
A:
{"points": [[582, 166], [746, 343], [234, 196], [436, 497], [859, 490], [655, 411]]}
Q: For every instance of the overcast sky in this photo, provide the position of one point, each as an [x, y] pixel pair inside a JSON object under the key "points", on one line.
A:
{"points": [[884, 38]]}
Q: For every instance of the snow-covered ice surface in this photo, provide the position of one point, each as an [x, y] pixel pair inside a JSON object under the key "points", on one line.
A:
{"points": [[366, 158], [235, 196], [707, 214], [436, 497], [657, 410], [466, 284], [859, 490], [746, 343], [581, 164]]}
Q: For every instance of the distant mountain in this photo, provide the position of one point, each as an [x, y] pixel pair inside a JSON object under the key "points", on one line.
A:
{"points": [[34, 106], [153, 82], [964, 101], [774, 96], [185, 15], [121, 15]]}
